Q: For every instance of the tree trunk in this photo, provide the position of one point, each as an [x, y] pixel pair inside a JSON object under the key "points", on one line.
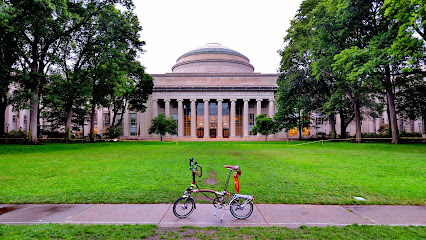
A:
{"points": [[266, 137], [161, 137], [33, 127], [393, 124], [332, 121], [68, 123], [389, 118], [357, 121], [92, 124], [3, 105], [342, 125]]}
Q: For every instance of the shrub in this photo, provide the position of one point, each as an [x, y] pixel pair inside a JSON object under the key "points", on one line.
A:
{"points": [[112, 132], [404, 133], [52, 133], [16, 134], [384, 130]]}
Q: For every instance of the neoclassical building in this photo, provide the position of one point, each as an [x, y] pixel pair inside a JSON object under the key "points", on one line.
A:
{"points": [[212, 93]]}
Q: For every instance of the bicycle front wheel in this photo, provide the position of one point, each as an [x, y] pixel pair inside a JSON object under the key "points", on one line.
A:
{"points": [[183, 207], [241, 208]]}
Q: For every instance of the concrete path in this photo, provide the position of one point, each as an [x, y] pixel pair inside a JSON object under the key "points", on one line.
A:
{"points": [[286, 215]]}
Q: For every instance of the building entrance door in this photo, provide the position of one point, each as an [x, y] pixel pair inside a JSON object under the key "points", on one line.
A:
{"points": [[200, 133], [225, 133], [212, 132]]}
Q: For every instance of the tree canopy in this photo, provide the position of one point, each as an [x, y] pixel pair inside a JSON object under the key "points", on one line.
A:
{"points": [[162, 125], [66, 53], [340, 51]]}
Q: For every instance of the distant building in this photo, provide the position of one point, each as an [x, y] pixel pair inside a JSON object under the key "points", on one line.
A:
{"points": [[212, 92]]}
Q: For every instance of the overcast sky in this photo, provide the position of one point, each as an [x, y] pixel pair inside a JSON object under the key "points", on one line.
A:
{"points": [[253, 28]]}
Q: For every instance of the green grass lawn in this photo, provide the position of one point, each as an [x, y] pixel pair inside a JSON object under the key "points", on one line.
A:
{"points": [[58, 231], [158, 172]]}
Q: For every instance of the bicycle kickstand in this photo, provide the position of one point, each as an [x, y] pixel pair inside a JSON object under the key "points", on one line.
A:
{"points": [[215, 211]]}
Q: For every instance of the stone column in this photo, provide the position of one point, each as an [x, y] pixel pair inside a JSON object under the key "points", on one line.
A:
{"points": [[258, 110], [233, 130], [271, 108], [193, 118], [258, 107], [245, 118], [219, 119], [167, 112], [167, 107], [154, 108], [206, 119], [180, 117], [126, 123]]}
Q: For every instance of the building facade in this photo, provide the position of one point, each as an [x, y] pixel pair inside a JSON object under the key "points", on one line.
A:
{"points": [[212, 93]]}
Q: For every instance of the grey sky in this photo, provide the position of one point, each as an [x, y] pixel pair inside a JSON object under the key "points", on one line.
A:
{"points": [[253, 28]]}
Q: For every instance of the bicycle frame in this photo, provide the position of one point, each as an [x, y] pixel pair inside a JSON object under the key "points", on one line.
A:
{"points": [[222, 198]]}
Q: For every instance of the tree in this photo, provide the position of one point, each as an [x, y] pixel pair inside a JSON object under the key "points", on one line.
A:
{"points": [[412, 98], [117, 44], [264, 125], [39, 27], [297, 90], [162, 125], [131, 93], [8, 57], [411, 16]]}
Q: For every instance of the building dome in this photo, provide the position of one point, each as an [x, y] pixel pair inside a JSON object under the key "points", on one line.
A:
{"points": [[213, 58]]}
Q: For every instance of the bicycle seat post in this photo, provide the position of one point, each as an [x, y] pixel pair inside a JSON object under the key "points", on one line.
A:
{"points": [[230, 171]]}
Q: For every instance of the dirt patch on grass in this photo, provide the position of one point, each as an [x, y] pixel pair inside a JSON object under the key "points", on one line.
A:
{"points": [[211, 180]]}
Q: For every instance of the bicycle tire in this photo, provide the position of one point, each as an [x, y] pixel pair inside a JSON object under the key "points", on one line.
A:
{"points": [[237, 210], [187, 205]]}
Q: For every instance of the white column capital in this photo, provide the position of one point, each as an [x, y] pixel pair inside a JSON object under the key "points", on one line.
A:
{"points": [[179, 100], [193, 100], [233, 100], [259, 100], [206, 100], [272, 100], [219, 100], [246, 100], [166, 100], [155, 100]]}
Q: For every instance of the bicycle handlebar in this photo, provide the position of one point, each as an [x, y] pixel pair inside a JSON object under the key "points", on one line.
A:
{"points": [[193, 167]]}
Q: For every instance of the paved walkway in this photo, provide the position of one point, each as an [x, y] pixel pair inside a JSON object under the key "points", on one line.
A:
{"points": [[287, 215]]}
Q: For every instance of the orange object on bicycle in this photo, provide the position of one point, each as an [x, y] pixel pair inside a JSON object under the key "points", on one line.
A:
{"points": [[236, 181]]}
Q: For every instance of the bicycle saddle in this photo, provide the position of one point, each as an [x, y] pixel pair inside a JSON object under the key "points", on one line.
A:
{"points": [[231, 167]]}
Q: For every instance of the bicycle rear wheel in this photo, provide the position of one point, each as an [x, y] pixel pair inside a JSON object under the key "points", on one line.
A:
{"points": [[183, 207], [241, 208]]}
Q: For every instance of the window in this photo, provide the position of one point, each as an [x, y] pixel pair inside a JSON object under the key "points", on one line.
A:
{"points": [[175, 118], [213, 109], [251, 123], [251, 104], [106, 119], [186, 118], [14, 122], [200, 109], [25, 122], [263, 104], [133, 124], [251, 119], [319, 120]]}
